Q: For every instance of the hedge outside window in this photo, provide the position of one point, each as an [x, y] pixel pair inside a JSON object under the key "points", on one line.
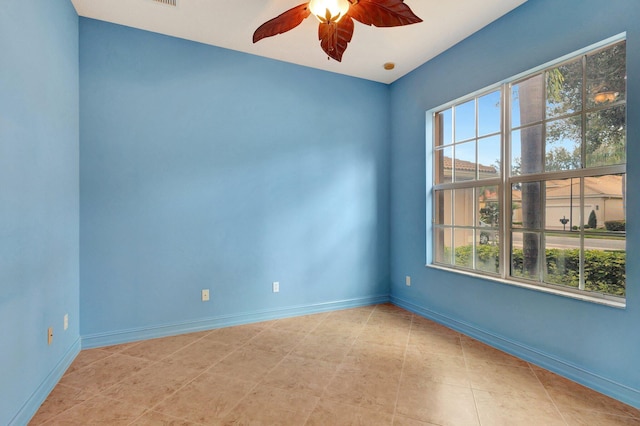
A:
{"points": [[530, 178]]}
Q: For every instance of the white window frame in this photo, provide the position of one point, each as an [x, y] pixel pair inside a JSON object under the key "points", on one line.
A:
{"points": [[506, 181]]}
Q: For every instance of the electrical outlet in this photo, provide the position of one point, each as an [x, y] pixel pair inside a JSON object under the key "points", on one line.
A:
{"points": [[205, 295], [276, 287], [50, 335], [66, 321], [407, 281]]}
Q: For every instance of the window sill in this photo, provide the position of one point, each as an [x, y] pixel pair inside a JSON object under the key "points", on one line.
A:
{"points": [[604, 300]]}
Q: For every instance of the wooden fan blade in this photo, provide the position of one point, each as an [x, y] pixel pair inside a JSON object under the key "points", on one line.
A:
{"points": [[282, 23], [383, 13], [335, 37]]}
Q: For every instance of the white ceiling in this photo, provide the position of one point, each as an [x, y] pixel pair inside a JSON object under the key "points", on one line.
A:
{"points": [[231, 23]]}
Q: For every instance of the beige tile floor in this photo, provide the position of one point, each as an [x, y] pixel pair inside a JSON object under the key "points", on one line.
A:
{"points": [[377, 365]]}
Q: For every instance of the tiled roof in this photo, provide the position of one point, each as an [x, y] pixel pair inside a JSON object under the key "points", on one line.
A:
{"points": [[468, 166]]}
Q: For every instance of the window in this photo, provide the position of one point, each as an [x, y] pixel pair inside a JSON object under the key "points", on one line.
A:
{"points": [[530, 178]]}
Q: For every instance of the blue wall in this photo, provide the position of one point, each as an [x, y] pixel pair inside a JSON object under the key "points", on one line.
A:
{"points": [[207, 168], [596, 345], [39, 206]]}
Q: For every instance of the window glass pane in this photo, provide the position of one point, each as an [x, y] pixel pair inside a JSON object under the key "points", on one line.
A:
{"points": [[606, 137], [527, 145], [564, 89], [516, 205], [443, 213], [563, 144], [444, 165], [463, 241], [444, 127], [524, 255], [567, 226], [443, 249], [562, 259], [606, 76], [464, 202], [489, 114], [465, 121], [516, 143], [604, 269], [530, 205], [604, 209], [605, 235], [527, 99], [465, 164], [562, 204], [489, 157], [487, 251], [487, 208]]}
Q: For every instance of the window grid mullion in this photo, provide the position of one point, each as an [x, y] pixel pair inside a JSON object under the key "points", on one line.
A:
{"points": [[505, 181], [567, 174], [581, 283], [453, 145], [542, 239], [467, 184], [583, 163], [505, 185], [583, 126]]}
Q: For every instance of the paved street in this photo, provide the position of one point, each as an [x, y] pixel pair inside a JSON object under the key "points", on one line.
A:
{"points": [[589, 243]]}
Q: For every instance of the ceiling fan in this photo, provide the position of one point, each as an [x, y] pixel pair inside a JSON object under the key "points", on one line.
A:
{"points": [[336, 20]]}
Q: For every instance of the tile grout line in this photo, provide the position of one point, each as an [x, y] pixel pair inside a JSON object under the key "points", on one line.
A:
{"points": [[188, 382], [404, 360], [298, 336], [337, 367], [325, 387], [466, 368], [203, 372], [335, 373], [546, 391], [553, 401], [153, 363], [308, 333], [49, 421], [206, 370], [260, 381], [93, 394]]}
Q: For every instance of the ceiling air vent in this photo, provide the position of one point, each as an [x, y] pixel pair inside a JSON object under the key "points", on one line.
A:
{"points": [[167, 2]]}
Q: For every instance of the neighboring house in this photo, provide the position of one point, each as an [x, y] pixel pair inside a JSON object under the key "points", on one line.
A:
{"points": [[466, 170], [464, 199], [603, 195]]}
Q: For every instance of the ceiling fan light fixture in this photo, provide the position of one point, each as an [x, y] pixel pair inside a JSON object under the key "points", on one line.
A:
{"points": [[329, 10], [336, 20]]}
